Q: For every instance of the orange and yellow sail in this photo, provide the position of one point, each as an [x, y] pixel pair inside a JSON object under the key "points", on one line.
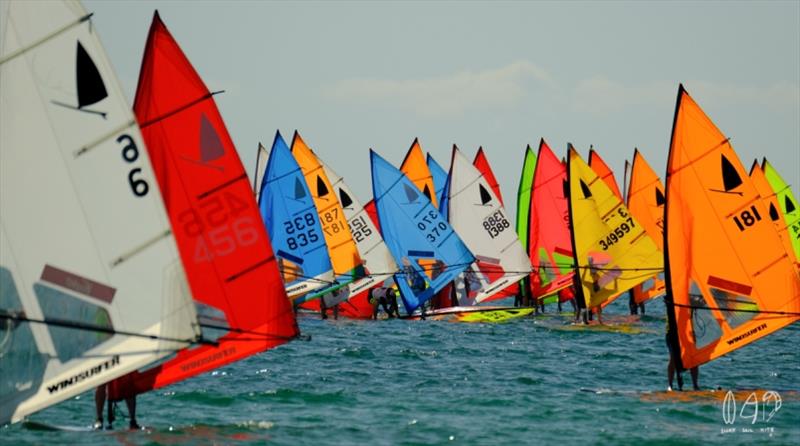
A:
{"points": [[645, 201], [342, 248], [730, 280], [612, 250]]}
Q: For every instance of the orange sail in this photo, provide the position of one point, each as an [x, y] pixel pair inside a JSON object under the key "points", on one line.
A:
{"points": [[342, 248], [416, 169], [729, 279], [771, 202], [646, 203], [604, 172]]}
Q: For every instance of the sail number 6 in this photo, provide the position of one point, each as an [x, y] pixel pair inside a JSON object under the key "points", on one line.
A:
{"points": [[130, 153]]}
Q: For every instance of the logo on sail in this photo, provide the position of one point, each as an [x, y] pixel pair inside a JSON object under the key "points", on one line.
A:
{"points": [[90, 88], [210, 147]]}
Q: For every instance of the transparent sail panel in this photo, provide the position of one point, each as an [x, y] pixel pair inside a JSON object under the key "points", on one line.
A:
{"points": [[21, 364], [705, 327], [733, 304], [212, 321], [69, 342]]}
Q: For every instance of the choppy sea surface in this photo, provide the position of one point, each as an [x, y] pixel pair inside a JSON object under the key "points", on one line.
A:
{"points": [[527, 381]]}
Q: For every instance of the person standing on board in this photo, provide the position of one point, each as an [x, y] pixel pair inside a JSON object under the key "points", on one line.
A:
{"points": [[674, 352], [99, 402]]}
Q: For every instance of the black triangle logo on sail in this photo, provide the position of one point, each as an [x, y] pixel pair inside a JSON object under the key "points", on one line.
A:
{"points": [[91, 88], [485, 195], [322, 189], [565, 187], [411, 194], [211, 147], [427, 192], [345, 199], [585, 189], [773, 213], [299, 190], [730, 178], [787, 203], [660, 199]]}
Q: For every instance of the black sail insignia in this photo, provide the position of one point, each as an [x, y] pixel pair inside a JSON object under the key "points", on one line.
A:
{"points": [[322, 189], [91, 88], [585, 189], [427, 192], [788, 205], [411, 194], [660, 199], [730, 178], [211, 147], [773, 213], [345, 199], [299, 190], [485, 196]]}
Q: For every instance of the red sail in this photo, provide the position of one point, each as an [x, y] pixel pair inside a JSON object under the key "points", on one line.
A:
{"points": [[549, 239], [224, 247]]}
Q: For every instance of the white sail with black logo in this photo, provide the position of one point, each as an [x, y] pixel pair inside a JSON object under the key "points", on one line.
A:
{"points": [[91, 284]]}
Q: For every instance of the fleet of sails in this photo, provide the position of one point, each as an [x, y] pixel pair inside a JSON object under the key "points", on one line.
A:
{"points": [[156, 259]]}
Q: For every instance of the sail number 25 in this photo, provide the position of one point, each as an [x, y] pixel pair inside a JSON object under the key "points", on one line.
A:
{"points": [[218, 226]]}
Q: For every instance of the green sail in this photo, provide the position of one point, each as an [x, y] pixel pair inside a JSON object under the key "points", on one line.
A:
{"points": [[787, 203], [524, 207]]}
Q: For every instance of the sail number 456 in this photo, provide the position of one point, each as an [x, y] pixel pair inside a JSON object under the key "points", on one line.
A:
{"points": [[218, 226]]}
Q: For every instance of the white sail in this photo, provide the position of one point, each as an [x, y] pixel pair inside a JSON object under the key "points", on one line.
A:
{"points": [[84, 237], [375, 256], [261, 167], [482, 223]]}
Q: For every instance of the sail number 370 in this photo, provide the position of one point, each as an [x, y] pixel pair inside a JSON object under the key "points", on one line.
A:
{"points": [[433, 229]]}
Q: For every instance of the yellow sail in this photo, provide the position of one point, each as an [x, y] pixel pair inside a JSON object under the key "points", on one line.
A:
{"points": [[612, 250], [341, 246], [416, 169], [730, 280], [646, 203]]}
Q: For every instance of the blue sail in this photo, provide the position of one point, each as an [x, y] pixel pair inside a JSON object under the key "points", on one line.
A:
{"points": [[292, 224], [439, 177], [416, 235]]}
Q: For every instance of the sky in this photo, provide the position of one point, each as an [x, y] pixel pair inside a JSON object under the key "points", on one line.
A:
{"points": [[351, 76]]}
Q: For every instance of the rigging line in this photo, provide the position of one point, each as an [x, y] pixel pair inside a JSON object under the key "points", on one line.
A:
{"points": [[45, 38], [737, 310], [300, 336], [179, 109], [20, 317]]}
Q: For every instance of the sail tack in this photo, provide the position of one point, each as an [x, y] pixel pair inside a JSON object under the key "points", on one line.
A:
{"points": [[95, 262], [729, 279], [229, 262]]}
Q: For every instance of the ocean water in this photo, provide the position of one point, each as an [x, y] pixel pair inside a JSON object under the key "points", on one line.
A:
{"points": [[399, 382]]}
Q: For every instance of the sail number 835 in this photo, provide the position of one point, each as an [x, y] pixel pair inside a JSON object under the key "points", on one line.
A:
{"points": [[301, 231]]}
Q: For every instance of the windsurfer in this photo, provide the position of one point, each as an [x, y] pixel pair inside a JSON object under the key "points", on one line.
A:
{"points": [[674, 352], [99, 402], [383, 297]]}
